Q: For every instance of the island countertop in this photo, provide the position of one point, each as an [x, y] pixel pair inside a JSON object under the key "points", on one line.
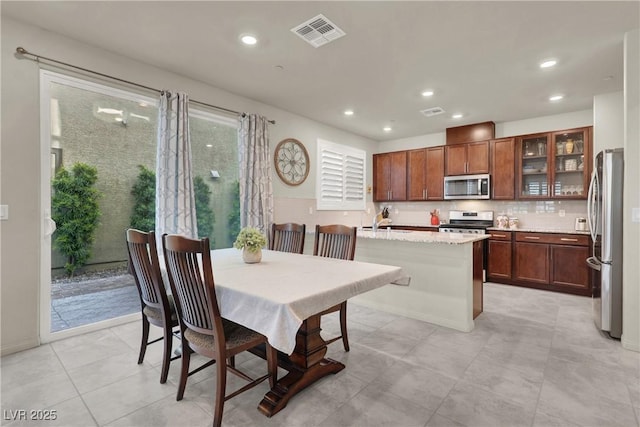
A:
{"points": [[422, 236]]}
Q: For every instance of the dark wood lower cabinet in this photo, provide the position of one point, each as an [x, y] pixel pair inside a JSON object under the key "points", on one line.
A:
{"points": [[568, 267], [555, 262], [532, 262], [499, 248]]}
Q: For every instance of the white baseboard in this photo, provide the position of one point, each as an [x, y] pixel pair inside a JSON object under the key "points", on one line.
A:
{"points": [[629, 344], [19, 346]]}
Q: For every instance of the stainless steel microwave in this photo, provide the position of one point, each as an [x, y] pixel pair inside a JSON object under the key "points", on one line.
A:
{"points": [[466, 187]]}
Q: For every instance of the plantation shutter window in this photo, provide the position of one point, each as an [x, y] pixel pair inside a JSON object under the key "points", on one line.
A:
{"points": [[341, 177]]}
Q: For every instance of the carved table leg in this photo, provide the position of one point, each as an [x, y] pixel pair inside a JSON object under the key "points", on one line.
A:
{"points": [[306, 365]]}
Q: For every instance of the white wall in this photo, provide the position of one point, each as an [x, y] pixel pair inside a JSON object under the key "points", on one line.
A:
{"points": [[549, 123], [420, 141], [631, 242], [518, 127], [20, 238], [608, 121]]}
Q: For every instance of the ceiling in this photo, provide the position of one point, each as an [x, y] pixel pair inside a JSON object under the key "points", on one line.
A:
{"points": [[480, 58]]}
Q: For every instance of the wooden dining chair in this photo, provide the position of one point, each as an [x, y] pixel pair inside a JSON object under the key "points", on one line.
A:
{"points": [[336, 241], [203, 330], [288, 237], [157, 307]]}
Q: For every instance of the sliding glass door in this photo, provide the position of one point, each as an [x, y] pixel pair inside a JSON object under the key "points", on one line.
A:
{"points": [[97, 143]]}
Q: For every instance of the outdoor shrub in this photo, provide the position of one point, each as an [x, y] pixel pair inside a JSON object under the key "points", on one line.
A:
{"points": [[204, 214], [143, 216], [233, 221], [76, 213]]}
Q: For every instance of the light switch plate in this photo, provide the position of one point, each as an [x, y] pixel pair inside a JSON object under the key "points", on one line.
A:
{"points": [[635, 214], [4, 212], [561, 212]]}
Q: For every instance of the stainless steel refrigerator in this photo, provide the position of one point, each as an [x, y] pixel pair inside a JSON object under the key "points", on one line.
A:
{"points": [[604, 206]]}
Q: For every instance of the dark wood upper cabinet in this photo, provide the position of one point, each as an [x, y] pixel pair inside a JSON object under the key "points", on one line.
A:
{"points": [[471, 133], [456, 156], [555, 165], [425, 174], [503, 169], [467, 159], [417, 174], [390, 176], [435, 173]]}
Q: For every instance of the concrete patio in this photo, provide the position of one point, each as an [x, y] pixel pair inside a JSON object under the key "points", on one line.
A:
{"points": [[92, 298]]}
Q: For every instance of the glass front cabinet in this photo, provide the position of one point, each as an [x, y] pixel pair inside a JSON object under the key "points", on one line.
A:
{"points": [[554, 165]]}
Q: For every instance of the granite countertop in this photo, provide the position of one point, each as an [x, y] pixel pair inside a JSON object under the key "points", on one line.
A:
{"points": [[384, 227], [541, 230], [422, 236]]}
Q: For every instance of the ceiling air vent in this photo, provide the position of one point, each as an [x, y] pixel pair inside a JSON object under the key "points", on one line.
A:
{"points": [[318, 31], [430, 112]]}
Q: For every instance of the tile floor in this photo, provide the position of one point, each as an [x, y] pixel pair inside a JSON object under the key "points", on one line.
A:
{"points": [[534, 359]]}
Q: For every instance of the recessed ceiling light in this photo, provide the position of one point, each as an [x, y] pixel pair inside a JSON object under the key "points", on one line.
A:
{"points": [[548, 63], [209, 145], [348, 113], [456, 116], [556, 97], [427, 93], [387, 128], [249, 39]]}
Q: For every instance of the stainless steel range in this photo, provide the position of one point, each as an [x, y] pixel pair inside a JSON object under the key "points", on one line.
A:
{"points": [[475, 222]]}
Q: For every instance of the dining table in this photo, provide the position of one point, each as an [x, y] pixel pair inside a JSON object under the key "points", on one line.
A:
{"points": [[281, 297]]}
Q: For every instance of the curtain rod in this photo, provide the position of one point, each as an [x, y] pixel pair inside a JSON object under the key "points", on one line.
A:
{"points": [[22, 51]]}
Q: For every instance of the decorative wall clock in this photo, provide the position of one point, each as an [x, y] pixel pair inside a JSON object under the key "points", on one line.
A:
{"points": [[291, 161]]}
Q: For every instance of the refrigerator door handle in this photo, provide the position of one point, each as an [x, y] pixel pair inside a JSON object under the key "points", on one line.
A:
{"points": [[593, 263], [592, 213]]}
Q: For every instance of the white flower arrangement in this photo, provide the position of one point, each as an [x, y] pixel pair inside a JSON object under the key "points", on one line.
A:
{"points": [[250, 238]]}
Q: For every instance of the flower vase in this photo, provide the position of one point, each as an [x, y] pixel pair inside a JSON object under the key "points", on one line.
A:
{"points": [[251, 257], [568, 146]]}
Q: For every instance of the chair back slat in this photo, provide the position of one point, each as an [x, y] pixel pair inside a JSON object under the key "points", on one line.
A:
{"points": [[335, 241], [143, 261], [287, 237], [188, 263]]}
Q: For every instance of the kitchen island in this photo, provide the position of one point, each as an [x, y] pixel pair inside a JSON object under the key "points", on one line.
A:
{"points": [[445, 271]]}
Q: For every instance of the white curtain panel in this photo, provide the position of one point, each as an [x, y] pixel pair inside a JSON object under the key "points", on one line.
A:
{"points": [[256, 188], [175, 200]]}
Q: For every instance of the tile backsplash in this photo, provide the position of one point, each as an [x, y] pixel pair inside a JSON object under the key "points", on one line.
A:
{"points": [[543, 215]]}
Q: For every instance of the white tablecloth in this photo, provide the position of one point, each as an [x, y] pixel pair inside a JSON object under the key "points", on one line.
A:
{"points": [[276, 295]]}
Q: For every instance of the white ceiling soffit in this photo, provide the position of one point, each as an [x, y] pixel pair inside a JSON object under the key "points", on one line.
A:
{"points": [[430, 112], [318, 31]]}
